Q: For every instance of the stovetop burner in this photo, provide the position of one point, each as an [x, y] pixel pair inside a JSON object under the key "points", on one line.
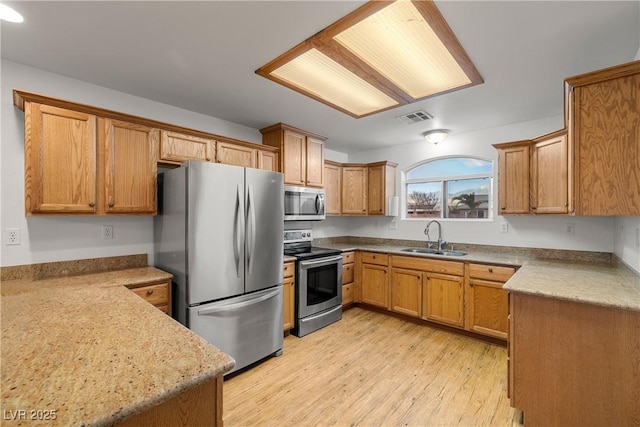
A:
{"points": [[298, 243]]}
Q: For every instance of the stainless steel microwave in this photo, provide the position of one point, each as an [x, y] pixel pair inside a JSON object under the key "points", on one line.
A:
{"points": [[303, 204]]}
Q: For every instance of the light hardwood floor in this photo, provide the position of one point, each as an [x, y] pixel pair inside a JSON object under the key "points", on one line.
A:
{"points": [[370, 369]]}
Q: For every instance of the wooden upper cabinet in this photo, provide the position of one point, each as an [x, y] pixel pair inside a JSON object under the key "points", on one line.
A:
{"points": [[315, 162], [381, 184], [178, 147], [354, 190], [550, 174], [233, 154], [130, 166], [60, 160], [333, 187], [301, 154], [604, 128], [513, 177], [267, 160]]}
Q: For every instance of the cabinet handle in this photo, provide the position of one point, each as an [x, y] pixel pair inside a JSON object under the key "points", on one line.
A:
{"points": [[208, 159], [150, 292], [418, 276], [533, 207], [91, 204], [428, 277], [471, 284], [490, 270], [111, 204], [503, 208], [566, 205]]}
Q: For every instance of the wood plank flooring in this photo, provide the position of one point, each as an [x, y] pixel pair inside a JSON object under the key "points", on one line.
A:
{"points": [[370, 369]]}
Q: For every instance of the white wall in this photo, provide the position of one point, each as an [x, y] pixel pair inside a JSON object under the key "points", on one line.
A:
{"points": [[45, 238], [591, 233], [627, 240]]}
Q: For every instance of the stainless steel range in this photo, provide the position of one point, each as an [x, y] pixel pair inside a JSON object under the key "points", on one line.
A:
{"points": [[318, 282]]}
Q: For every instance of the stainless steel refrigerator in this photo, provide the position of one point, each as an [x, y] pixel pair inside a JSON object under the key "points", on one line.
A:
{"points": [[219, 232]]}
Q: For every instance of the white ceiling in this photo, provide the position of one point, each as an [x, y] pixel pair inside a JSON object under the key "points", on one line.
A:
{"points": [[201, 56]]}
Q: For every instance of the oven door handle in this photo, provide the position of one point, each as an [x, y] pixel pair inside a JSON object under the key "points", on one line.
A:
{"points": [[322, 261]]}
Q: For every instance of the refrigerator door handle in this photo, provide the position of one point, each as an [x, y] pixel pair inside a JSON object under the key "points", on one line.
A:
{"points": [[238, 306], [238, 227], [251, 235]]}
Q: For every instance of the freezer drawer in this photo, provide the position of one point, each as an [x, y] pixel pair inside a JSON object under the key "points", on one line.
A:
{"points": [[248, 327]]}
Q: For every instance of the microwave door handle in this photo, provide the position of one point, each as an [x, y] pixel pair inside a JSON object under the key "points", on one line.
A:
{"points": [[318, 204]]}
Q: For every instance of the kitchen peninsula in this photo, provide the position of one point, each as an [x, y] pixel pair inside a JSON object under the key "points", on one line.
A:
{"points": [[82, 349]]}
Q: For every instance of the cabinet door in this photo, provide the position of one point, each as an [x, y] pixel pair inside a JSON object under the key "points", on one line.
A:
{"points": [[131, 167], [333, 180], [267, 160], [354, 190], [239, 155], [549, 180], [513, 179], [406, 292], [443, 299], [294, 156], [60, 160], [315, 162], [375, 190], [289, 303], [487, 306], [179, 147], [375, 285]]}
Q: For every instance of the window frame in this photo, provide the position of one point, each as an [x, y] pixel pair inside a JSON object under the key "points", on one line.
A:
{"points": [[443, 180]]}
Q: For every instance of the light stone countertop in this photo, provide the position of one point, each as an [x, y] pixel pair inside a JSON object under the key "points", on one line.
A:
{"points": [[606, 284], [95, 352]]}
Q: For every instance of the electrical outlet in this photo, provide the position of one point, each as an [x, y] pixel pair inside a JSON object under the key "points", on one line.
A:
{"points": [[107, 232], [570, 228], [11, 236], [504, 227], [393, 225]]}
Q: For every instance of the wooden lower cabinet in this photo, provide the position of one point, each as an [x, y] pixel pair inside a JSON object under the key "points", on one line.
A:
{"points": [[157, 294], [406, 292], [375, 282], [199, 406], [487, 303], [348, 277], [289, 292], [443, 299], [573, 363]]}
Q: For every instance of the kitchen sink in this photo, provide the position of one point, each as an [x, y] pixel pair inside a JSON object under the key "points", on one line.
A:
{"points": [[433, 252]]}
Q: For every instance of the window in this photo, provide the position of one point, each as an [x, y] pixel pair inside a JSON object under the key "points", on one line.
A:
{"points": [[454, 187]]}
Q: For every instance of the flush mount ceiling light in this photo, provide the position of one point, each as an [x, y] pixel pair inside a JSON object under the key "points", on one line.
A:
{"points": [[382, 55], [9, 14], [436, 135]]}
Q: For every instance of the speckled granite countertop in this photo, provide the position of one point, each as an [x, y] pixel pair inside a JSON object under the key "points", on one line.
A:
{"points": [[289, 258], [93, 351], [603, 283]]}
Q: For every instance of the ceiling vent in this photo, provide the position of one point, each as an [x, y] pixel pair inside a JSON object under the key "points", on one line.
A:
{"points": [[416, 117]]}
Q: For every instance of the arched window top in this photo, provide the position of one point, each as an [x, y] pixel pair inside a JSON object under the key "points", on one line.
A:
{"points": [[451, 166]]}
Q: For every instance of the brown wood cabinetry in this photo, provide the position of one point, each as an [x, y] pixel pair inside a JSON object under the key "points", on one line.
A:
{"points": [[406, 292], [348, 277], [131, 166], [381, 184], [333, 187], [60, 160], [238, 155], [604, 129], [566, 356], [301, 154], [157, 294], [487, 303], [354, 190], [374, 286], [288, 296], [179, 147], [551, 183], [267, 160], [443, 299], [513, 177]]}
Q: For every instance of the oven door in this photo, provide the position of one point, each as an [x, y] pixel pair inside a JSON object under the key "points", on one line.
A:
{"points": [[304, 204], [319, 285]]}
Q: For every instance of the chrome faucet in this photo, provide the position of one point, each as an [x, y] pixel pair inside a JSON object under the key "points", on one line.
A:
{"points": [[441, 243]]}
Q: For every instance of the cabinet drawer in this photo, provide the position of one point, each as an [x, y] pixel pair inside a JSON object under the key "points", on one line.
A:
{"points": [[427, 264], [289, 268], [375, 258], [155, 294], [347, 294], [347, 273], [348, 257], [491, 272]]}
